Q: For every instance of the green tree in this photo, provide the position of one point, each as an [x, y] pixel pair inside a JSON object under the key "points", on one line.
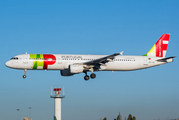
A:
{"points": [[129, 117], [133, 118], [118, 117], [105, 118]]}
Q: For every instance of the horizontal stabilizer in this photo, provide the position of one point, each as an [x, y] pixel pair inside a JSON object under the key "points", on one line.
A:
{"points": [[168, 59]]}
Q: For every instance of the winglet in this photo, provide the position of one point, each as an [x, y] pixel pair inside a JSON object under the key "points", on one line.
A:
{"points": [[121, 53]]}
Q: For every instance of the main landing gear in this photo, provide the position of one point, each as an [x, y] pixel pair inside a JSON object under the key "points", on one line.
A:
{"points": [[24, 76], [93, 75], [87, 77]]}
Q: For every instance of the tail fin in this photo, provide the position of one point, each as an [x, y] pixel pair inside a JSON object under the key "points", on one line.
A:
{"points": [[160, 47]]}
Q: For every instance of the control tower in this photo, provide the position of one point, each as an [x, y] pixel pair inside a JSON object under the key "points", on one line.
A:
{"points": [[58, 99]]}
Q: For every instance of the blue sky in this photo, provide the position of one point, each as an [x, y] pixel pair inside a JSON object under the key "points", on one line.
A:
{"points": [[89, 27]]}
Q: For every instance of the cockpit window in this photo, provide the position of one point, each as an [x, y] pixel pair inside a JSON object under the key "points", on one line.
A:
{"points": [[14, 58]]}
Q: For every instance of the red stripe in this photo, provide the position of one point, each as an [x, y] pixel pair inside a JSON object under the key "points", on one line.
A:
{"points": [[57, 89], [165, 46], [160, 46]]}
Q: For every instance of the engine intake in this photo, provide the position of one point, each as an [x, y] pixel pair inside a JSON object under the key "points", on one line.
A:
{"points": [[73, 69], [66, 72]]}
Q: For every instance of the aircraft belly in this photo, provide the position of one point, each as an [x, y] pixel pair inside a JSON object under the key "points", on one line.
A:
{"points": [[55, 67], [23, 65], [122, 66]]}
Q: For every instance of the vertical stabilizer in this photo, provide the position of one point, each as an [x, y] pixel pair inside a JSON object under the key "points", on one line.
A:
{"points": [[160, 47]]}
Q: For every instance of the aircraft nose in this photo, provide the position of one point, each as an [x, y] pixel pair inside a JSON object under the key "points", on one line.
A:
{"points": [[8, 63]]}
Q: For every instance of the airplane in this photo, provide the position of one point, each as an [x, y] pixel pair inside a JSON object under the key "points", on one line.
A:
{"points": [[70, 64]]}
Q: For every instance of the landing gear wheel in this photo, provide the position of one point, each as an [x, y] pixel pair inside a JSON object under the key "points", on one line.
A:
{"points": [[86, 77], [24, 76], [93, 75]]}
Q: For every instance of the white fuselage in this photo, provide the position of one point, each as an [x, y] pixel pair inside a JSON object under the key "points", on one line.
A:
{"points": [[62, 62], [69, 64]]}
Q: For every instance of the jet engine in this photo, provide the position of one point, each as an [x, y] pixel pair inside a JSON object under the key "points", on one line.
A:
{"points": [[66, 72], [73, 69], [76, 68]]}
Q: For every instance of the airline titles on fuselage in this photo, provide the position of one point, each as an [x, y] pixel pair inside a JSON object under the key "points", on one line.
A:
{"points": [[71, 57]]}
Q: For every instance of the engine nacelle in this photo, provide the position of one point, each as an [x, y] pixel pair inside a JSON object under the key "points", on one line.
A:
{"points": [[76, 68], [66, 72]]}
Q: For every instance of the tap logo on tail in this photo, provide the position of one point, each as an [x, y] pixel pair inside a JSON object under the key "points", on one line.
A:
{"points": [[160, 47]]}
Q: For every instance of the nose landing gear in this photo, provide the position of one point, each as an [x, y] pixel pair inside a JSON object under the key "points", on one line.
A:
{"points": [[24, 76]]}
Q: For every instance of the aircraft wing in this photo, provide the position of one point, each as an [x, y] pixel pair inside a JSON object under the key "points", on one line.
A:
{"points": [[102, 60]]}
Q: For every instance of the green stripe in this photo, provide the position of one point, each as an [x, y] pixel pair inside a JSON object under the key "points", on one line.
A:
{"points": [[144, 55], [37, 62]]}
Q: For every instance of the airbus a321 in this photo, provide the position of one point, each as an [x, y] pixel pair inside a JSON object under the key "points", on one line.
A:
{"points": [[70, 64]]}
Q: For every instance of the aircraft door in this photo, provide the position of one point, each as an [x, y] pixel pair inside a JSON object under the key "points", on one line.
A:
{"points": [[145, 61], [25, 58], [59, 60]]}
